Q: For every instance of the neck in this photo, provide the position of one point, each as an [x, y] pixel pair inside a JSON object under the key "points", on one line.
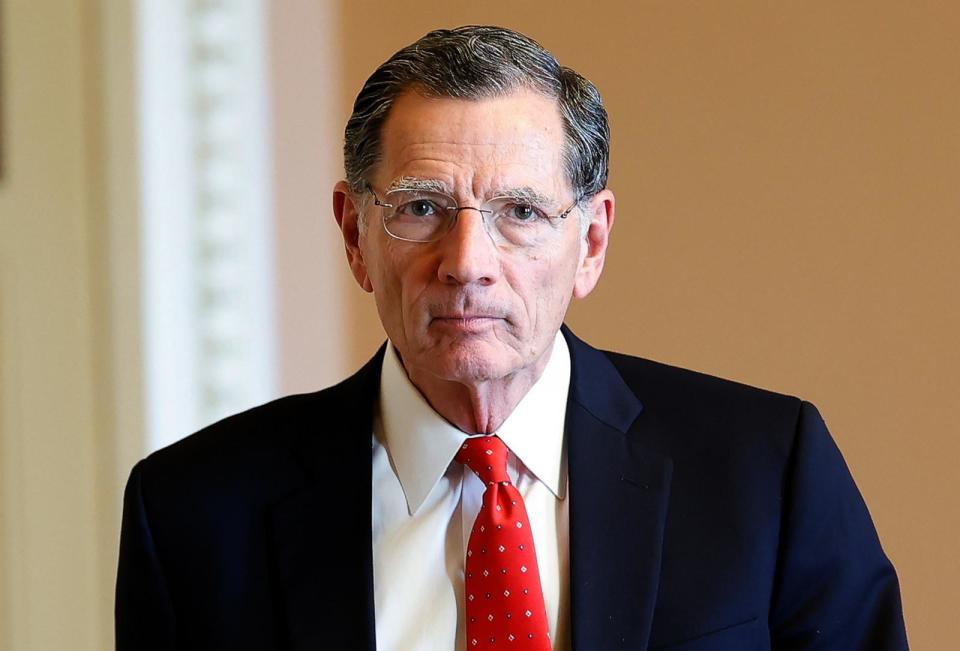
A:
{"points": [[478, 407]]}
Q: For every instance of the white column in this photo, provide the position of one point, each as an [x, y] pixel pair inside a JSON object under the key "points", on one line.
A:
{"points": [[207, 238]]}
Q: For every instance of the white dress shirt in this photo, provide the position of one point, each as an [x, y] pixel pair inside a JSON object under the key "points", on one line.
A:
{"points": [[424, 506]]}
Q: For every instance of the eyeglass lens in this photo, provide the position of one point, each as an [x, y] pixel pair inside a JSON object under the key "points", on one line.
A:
{"points": [[426, 216]]}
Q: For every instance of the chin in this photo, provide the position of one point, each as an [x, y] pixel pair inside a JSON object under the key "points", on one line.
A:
{"points": [[472, 362]]}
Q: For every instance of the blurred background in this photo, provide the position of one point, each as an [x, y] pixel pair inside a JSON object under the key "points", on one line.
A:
{"points": [[788, 184]]}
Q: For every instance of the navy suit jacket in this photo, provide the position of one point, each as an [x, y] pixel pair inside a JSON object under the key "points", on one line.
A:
{"points": [[704, 515]]}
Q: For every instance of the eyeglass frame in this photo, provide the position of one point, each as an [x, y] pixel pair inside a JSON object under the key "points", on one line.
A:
{"points": [[483, 213]]}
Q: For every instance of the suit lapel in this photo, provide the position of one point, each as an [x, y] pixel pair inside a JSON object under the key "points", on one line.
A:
{"points": [[321, 534], [618, 503]]}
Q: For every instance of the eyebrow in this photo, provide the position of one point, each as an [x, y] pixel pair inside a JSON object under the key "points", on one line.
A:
{"points": [[408, 183], [523, 193]]}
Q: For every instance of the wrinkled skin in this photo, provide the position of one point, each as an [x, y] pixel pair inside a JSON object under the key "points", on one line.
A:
{"points": [[472, 321]]}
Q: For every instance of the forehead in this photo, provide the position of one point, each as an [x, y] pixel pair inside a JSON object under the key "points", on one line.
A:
{"points": [[474, 145]]}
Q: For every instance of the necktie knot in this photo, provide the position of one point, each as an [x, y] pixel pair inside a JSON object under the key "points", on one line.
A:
{"points": [[486, 456]]}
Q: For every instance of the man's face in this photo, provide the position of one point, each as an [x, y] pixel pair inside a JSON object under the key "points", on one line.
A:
{"points": [[463, 308]]}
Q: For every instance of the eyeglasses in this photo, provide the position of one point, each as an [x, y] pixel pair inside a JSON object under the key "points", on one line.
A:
{"points": [[424, 216]]}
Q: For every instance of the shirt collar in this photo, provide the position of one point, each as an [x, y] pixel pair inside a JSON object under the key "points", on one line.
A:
{"points": [[534, 431], [421, 444]]}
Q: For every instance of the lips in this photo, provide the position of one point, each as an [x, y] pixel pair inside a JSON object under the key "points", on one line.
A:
{"points": [[466, 312], [465, 317], [465, 322]]}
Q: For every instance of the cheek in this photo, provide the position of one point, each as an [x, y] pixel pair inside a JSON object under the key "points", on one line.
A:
{"points": [[403, 281], [382, 271], [547, 286], [384, 265], [562, 279]]}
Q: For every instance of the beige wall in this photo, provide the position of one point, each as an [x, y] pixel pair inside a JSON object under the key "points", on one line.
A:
{"points": [[788, 184], [49, 418], [311, 279], [69, 360]]}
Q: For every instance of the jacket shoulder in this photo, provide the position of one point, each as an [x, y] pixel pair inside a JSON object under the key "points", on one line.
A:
{"points": [[274, 433], [274, 424], [668, 384], [704, 414]]}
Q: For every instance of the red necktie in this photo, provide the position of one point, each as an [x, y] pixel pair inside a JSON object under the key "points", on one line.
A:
{"points": [[504, 599]]}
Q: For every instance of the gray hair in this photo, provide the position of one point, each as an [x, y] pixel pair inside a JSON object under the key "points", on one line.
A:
{"points": [[477, 62]]}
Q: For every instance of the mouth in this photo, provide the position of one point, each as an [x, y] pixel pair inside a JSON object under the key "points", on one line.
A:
{"points": [[465, 322]]}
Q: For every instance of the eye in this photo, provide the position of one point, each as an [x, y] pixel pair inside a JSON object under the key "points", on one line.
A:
{"points": [[523, 212], [418, 208]]}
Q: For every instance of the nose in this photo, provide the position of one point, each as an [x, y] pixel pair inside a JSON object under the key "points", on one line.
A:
{"points": [[468, 254]]}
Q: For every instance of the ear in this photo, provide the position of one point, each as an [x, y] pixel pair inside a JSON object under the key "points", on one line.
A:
{"points": [[600, 212], [346, 208]]}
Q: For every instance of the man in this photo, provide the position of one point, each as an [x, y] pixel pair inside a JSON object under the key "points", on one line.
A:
{"points": [[488, 480]]}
